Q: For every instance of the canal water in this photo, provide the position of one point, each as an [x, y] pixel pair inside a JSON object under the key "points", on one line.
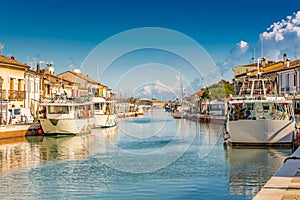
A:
{"points": [[150, 157]]}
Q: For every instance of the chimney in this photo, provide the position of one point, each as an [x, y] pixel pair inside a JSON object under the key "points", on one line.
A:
{"points": [[13, 58], [287, 63], [284, 59], [38, 68], [263, 62]]}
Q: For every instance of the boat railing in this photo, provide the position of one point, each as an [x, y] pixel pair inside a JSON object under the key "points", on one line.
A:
{"points": [[67, 100]]}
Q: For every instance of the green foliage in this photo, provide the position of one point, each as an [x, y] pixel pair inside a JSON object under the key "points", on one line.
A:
{"points": [[218, 90]]}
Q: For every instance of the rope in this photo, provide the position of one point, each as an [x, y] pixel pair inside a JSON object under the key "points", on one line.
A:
{"points": [[291, 158]]}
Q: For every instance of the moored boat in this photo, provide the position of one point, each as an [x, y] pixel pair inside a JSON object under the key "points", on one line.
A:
{"points": [[67, 117], [13, 130], [179, 114], [179, 111], [104, 112], [259, 118]]}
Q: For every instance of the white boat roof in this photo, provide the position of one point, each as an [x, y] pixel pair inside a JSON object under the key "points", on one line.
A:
{"points": [[263, 101], [98, 100], [64, 103]]}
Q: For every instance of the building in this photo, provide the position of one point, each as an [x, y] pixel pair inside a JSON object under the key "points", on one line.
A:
{"points": [[263, 69], [53, 85], [20, 86], [32, 91], [86, 85], [13, 85], [284, 75]]}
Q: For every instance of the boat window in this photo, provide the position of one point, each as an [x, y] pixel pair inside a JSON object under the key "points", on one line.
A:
{"points": [[97, 106], [17, 111], [58, 109], [266, 106]]}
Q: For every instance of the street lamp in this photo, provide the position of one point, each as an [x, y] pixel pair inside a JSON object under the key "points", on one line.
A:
{"points": [[1, 99]]}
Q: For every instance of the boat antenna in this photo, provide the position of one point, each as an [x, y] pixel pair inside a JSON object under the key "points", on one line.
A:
{"points": [[253, 55], [262, 46], [1, 47], [181, 84], [296, 52]]}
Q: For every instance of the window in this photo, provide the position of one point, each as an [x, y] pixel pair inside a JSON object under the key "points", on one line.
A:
{"points": [[97, 106], [58, 109], [266, 106], [17, 111]]}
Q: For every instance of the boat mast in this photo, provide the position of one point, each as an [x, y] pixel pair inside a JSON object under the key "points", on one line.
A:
{"points": [[181, 95]]}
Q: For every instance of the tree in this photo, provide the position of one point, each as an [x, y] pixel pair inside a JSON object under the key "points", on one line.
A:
{"points": [[219, 90]]}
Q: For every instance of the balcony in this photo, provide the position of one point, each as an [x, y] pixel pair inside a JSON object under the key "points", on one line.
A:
{"points": [[3, 94], [16, 95]]}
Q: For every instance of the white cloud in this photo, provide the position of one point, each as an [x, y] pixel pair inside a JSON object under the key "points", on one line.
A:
{"points": [[243, 44], [237, 54], [283, 29], [280, 37], [157, 89], [161, 87], [147, 90]]}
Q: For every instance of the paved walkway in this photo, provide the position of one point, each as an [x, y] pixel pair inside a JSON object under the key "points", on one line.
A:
{"points": [[285, 184]]}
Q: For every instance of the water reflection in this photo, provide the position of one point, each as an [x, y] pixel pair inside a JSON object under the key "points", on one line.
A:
{"points": [[111, 133], [250, 168], [33, 151], [177, 159], [67, 147], [15, 153], [155, 137]]}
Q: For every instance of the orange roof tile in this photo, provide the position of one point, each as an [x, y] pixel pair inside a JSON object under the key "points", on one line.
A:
{"points": [[53, 78], [200, 93], [6, 60], [293, 64], [81, 76]]}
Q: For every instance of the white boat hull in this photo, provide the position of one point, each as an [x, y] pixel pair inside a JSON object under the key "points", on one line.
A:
{"points": [[259, 132], [105, 121], [179, 114], [67, 126]]}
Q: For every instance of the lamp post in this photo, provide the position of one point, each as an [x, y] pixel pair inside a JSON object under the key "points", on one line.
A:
{"points": [[1, 99]]}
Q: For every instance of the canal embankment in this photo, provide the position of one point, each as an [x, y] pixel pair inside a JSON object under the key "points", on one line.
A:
{"points": [[285, 184], [130, 114]]}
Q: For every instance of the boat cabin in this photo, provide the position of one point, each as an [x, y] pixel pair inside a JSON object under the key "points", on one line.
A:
{"points": [[254, 110], [66, 111]]}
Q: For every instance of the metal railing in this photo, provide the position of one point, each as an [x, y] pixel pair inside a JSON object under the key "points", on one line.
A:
{"points": [[3, 92], [16, 95]]}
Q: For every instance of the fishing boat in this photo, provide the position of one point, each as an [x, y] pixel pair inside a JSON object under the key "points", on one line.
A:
{"points": [[104, 112], [179, 112], [258, 117], [67, 117], [179, 109], [13, 130]]}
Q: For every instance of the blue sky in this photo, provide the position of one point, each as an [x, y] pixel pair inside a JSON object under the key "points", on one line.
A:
{"points": [[67, 31]]}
